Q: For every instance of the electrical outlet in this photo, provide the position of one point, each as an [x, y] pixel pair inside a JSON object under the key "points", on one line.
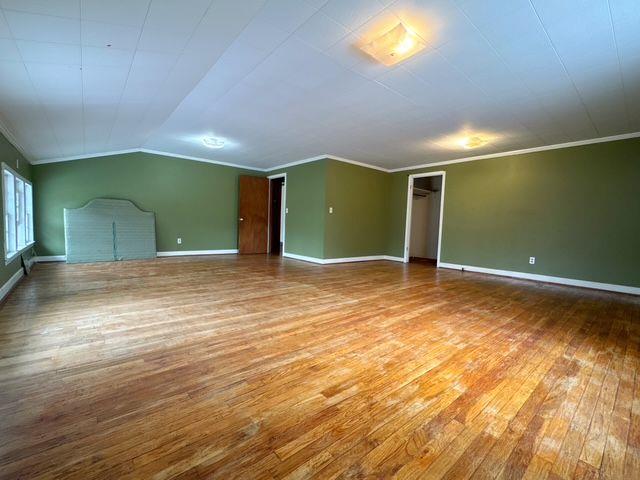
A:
{"points": [[330, 209], [532, 260], [286, 210], [179, 241]]}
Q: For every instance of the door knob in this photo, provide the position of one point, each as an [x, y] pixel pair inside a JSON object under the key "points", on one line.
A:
{"points": [[241, 219]]}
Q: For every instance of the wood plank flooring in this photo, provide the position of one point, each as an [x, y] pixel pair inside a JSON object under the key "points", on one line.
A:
{"points": [[261, 368]]}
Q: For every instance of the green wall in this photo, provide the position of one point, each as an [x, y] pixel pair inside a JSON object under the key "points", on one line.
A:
{"points": [[306, 201], [577, 210], [14, 159], [359, 197], [193, 200]]}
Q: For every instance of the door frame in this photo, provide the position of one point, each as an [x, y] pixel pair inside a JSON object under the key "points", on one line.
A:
{"points": [[283, 212], [409, 211]]}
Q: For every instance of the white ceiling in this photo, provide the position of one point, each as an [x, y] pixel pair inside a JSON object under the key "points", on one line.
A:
{"points": [[282, 80]]}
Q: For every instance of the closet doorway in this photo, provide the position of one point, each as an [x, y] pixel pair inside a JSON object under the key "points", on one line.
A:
{"points": [[425, 207], [277, 211]]}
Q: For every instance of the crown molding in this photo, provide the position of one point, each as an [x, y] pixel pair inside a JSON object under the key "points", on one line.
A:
{"points": [[327, 156], [558, 146], [85, 156], [200, 159], [11, 138], [144, 150], [544, 148]]}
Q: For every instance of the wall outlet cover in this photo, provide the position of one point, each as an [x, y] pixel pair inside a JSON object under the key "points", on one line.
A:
{"points": [[179, 241], [532, 260]]}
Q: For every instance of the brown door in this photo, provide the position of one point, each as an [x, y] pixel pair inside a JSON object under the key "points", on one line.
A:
{"points": [[253, 214]]}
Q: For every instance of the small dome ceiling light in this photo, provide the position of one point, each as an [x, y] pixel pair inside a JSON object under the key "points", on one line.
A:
{"points": [[213, 142], [473, 141]]}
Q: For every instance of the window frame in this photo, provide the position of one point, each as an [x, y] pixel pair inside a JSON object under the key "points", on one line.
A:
{"points": [[22, 206]]}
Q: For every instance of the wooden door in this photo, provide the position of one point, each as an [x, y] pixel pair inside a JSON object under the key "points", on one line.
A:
{"points": [[253, 214]]}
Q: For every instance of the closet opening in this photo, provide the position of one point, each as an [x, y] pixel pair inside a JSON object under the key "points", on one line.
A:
{"points": [[425, 206], [277, 207]]}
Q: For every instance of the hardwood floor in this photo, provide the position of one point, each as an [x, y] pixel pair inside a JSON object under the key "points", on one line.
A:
{"points": [[262, 368]]}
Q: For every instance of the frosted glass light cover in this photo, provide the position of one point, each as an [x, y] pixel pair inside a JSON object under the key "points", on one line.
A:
{"points": [[394, 46]]}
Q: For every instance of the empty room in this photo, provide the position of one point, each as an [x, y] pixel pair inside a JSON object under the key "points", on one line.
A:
{"points": [[328, 239]]}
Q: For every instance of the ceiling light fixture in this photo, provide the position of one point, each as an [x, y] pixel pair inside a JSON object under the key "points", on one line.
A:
{"points": [[394, 46], [469, 139], [213, 142], [473, 141]]}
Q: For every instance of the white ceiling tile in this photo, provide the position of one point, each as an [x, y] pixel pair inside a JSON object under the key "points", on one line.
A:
{"points": [[570, 32], [287, 15], [98, 34], [262, 35], [4, 27], [320, 31], [352, 13], [106, 57], [43, 28], [45, 52], [9, 51], [56, 82], [15, 82], [119, 12], [238, 62], [317, 4], [222, 23], [268, 74], [58, 8], [625, 15], [103, 84], [148, 71], [164, 40], [176, 14]]}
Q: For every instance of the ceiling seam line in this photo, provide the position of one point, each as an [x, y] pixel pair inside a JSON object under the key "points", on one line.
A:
{"points": [[40, 102], [507, 66], [244, 27], [615, 42], [564, 67], [84, 126], [173, 67], [126, 82]]}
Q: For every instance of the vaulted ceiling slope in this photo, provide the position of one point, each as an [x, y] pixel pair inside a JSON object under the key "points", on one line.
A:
{"points": [[282, 80]]}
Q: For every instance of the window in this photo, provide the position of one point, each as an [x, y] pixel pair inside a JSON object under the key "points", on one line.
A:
{"points": [[17, 196]]}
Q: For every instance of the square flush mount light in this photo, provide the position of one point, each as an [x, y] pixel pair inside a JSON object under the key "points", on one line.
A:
{"points": [[394, 46]]}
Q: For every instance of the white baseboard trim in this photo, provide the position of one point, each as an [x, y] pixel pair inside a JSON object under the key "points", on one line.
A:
{"points": [[9, 284], [330, 261], [304, 258], [50, 258], [188, 253], [369, 258], [546, 278]]}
